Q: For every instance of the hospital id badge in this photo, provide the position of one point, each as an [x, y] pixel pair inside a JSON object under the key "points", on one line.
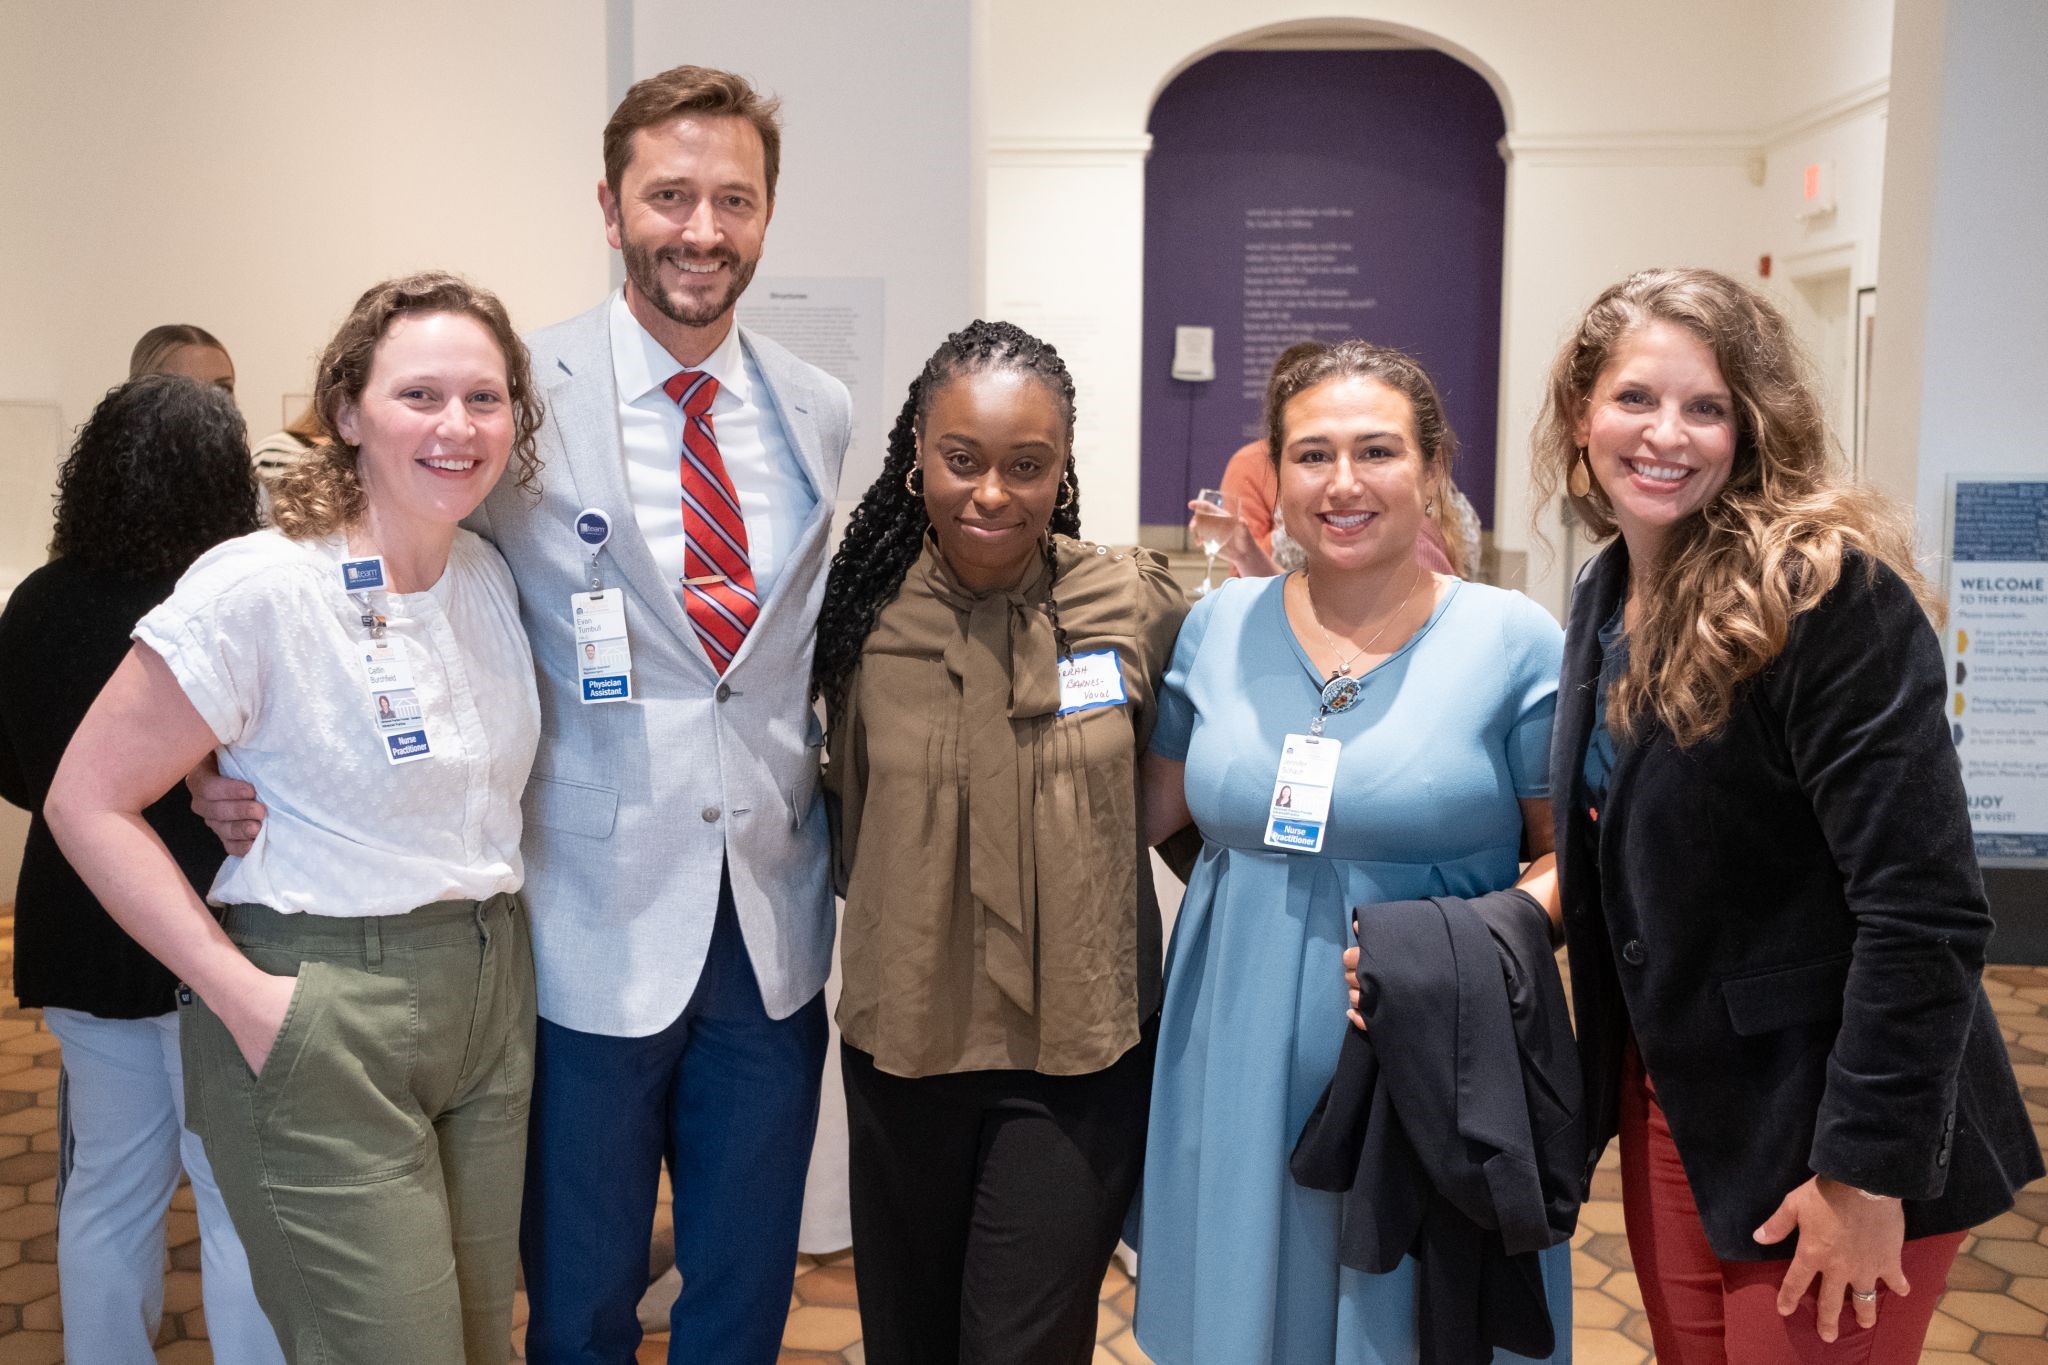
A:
{"points": [[394, 702], [1090, 680], [1300, 807], [604, 661]]}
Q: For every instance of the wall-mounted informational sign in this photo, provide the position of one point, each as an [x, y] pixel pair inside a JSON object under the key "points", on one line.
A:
{"points": [[1997, 647], [835, 323]]}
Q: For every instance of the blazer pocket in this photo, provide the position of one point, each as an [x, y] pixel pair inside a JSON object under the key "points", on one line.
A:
{"points": [[1765, 1002], [572, 807], [799, 799]]}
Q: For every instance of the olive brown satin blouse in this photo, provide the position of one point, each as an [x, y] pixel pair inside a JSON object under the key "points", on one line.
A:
{"points": [[999, 907]]}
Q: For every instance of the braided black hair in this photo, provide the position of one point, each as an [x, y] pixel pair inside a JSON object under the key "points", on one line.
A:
{"points": [[886, 532]]}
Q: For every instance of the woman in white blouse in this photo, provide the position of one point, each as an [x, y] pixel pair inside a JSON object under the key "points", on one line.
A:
{"points": [[358, 1026]]}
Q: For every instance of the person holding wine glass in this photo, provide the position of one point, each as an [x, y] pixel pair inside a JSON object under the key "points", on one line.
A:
{"points": [[1437, 696], [1216, 517]]}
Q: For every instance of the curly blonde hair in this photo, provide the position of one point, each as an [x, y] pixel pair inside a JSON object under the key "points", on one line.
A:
{"points": [[1769, 545], [320, 494]]}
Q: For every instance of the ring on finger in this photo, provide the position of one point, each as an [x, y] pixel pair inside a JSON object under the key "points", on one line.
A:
{"points": [[1863, 1295]]}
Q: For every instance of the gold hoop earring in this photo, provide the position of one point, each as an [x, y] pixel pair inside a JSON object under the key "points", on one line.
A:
{"points": [[916, 471], [1067, 487], [1579, 482]]}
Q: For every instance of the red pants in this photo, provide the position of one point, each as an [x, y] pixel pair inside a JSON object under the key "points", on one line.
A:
{"points": [[1707, 1311]]}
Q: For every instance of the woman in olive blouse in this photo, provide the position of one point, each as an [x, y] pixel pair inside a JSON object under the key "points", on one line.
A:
{"points": [[989, 682]]}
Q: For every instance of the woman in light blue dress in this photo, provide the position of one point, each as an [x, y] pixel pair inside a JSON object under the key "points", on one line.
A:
{"points": [[1440, 784]]}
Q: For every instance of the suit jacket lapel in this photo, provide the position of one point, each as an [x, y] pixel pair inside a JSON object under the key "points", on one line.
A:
{"points": [[1592, 603], [802, 429], [584, 405]]}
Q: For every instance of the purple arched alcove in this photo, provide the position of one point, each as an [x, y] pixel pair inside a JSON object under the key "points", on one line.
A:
{"points": [[1325, 194]]}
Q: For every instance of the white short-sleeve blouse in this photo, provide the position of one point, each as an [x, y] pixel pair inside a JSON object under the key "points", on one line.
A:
{"points": [[268, 648]]}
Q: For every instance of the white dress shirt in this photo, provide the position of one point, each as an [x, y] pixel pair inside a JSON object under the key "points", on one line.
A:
{"points": [[268, 648], [776, 497]]}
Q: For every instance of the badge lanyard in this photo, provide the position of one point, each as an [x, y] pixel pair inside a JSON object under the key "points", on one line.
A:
{"points": [[394, 701], [604, 657], [1298, 813]]}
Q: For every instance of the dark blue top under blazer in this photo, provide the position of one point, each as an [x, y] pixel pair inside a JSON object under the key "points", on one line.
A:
{"points": [[1789, 916]]}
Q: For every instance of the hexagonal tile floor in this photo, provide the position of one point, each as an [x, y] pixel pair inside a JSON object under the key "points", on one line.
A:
{"points": [[1996, 1308]]}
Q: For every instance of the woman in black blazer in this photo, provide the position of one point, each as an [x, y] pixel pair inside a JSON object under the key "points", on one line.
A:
{"points": [[1774, 913]]}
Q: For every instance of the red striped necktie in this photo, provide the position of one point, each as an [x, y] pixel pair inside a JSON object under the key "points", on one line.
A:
{"points": [[718, 577]]}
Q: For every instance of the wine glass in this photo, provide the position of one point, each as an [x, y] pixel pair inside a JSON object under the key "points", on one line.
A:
{"points": [[1215, 519]]}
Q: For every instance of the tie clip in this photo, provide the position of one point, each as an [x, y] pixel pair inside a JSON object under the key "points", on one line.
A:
{"points": [[704, 580]]}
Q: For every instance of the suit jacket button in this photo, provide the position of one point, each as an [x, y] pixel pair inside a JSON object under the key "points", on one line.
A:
{"points": [[1632, 952], [724, 692], [710, 815]]}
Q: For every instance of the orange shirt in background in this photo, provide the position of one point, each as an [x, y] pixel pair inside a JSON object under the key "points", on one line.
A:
{"points": [[1250, 475]]}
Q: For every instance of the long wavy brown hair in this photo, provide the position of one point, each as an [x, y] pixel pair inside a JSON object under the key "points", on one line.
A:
{"points": [[1718, 603], [321, 494]]}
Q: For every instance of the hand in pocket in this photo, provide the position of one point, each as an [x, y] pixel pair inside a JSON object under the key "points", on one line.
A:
{"points": [[258, 1017]]}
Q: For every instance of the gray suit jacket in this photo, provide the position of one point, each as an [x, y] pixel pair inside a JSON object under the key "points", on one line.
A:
{"points": [[634, 806]]}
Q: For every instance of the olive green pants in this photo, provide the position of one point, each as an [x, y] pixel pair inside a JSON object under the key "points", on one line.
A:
{"points": [[373, 1170]]}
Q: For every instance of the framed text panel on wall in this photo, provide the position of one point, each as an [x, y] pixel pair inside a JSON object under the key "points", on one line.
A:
{"points": [[1996, 642]]}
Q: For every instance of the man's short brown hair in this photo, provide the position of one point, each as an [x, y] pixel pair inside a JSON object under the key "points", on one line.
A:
{"points": [[691, 90]]}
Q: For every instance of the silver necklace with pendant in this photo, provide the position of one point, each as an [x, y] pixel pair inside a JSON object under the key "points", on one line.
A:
{"points": [[1340, 693]]}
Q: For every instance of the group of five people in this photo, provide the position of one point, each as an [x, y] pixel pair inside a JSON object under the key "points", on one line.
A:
{"points": [[516, 714]]}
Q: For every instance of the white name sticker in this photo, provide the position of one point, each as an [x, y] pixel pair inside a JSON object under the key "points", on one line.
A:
{"points": [[394, 702], [1090, 680], [604, 660], [1300, 809]]}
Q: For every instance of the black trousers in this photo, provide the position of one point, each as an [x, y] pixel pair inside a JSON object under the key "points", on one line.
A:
{"points": [[986, 1206]]}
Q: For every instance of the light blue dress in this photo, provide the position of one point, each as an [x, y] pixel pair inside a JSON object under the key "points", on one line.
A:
{"points": [[1238, 1264]]}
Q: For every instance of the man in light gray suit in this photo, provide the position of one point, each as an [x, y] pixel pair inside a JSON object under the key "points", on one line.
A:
{"points": [[675, 845]]}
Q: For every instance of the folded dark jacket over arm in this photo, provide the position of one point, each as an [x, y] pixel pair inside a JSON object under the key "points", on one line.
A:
{"points": [[1453, 1124]]}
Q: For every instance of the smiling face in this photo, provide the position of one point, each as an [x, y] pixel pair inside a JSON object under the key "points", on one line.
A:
{"points": [[1659, 432], [1353, 479], [433, 426], [689, 217], [992, 449]]}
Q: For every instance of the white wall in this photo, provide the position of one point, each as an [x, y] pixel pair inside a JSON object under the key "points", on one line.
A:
{"points": [[1962, 342], [1635, 134], [251, 166], [879, 160]]}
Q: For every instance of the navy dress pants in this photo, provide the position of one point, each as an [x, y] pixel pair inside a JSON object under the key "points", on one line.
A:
{"points": [[730, 1098]]}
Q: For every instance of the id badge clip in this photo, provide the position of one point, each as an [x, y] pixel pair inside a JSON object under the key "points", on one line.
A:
{"points": [[360, 578], [604, 656]]}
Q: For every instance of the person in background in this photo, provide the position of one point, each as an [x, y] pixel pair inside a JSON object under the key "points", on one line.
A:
{"points": [[1770, 891], [180, 348], [358, 1027], [989, 683], [1259, 546], [1437, 695], [286, 446], [158, 475]]}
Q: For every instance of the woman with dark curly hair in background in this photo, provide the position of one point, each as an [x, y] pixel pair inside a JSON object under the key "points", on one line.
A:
{"points": [[159, 474], [989, 683], [1775, 919], [358, 1028]]}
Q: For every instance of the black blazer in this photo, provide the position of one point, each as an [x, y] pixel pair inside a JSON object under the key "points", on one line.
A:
{"points": [[1453, 1127], [1789, 916], [63, 633]]}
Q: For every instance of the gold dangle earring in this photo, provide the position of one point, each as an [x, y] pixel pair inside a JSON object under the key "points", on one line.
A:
{"points": [[915, 490], [1579, 482], [1067, 488]]}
